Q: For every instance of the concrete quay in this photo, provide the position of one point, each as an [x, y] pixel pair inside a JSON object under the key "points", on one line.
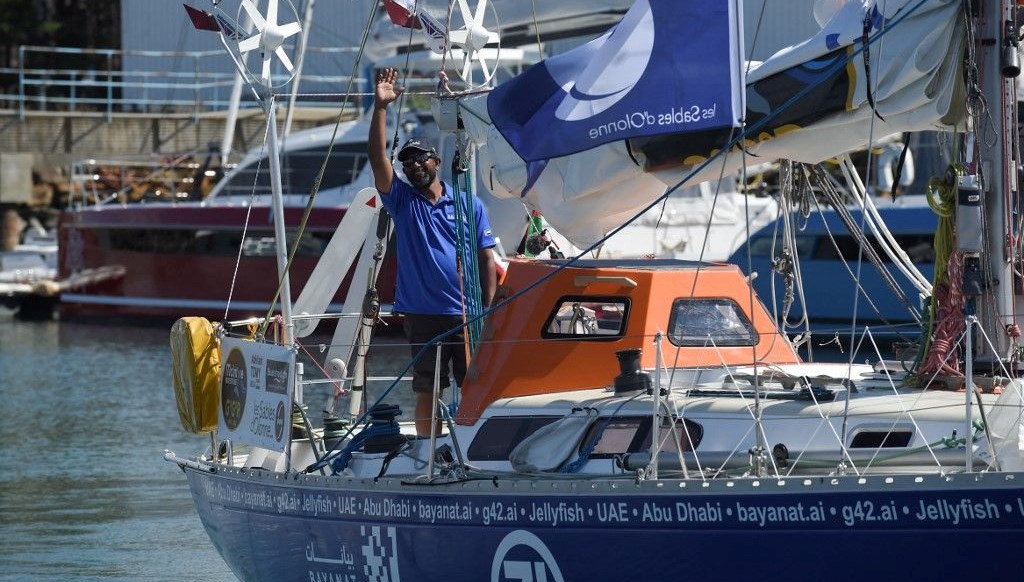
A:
{"points": [[55, 138]]}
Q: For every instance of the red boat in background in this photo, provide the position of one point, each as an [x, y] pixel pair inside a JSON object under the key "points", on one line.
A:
{"points": [[179, 259], [174, 259]]}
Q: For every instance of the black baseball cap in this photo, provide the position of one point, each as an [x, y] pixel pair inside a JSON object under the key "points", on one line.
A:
{"points": [[413, 147]]}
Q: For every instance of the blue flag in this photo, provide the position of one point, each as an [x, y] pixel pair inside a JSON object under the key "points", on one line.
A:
{"points": [[669, 66]]}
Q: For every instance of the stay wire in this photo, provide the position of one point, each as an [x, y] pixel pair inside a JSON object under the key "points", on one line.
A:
{"points": [[245, 227]]}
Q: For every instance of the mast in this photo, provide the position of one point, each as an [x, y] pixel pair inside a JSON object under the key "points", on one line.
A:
{"points": [[269, 39], [228, 140], [994, 163], [277, 200]]}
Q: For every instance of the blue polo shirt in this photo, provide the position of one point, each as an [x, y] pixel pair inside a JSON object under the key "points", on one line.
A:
{"points": [[428, 282]]}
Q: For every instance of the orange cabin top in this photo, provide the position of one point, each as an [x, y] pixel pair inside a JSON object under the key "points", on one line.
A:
{"points": [[562, 334]]}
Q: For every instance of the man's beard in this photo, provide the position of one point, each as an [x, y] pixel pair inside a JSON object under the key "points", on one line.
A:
{"points": [[421, 177]]}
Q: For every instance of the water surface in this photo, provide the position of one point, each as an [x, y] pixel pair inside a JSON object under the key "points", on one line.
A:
{"points": [[84, 491]]}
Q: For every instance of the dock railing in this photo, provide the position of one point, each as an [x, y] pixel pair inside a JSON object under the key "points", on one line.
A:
{"points": [[62, 79]]}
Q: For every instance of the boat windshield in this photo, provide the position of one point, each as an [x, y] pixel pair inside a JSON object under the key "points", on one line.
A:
{"points": [[299, 169]]}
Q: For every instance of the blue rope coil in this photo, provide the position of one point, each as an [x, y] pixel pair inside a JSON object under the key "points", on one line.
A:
{"points": [[382, 423]]}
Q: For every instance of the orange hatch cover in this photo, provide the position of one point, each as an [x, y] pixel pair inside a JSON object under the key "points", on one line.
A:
{"points": [[526, 348]]}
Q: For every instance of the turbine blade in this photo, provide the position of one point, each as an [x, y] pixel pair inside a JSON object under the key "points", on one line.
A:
{"points": [[284, 58], [248, 44], [272, 12], [458, 37], [467, 14], [483, 67], [481, 8], [254, 14], [290, 29]]}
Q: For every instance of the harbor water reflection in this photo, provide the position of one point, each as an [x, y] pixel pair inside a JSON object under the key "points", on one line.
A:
{"points": [[84, 491]]}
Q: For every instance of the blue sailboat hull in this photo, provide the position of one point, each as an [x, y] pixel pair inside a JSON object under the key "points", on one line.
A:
{"points": [[309, 528]]}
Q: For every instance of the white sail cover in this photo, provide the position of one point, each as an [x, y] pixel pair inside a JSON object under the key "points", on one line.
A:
{"points": [[808, 102], [1006, 427]]}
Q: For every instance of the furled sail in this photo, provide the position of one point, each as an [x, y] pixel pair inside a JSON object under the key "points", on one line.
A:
{"points": [[808, 102]]}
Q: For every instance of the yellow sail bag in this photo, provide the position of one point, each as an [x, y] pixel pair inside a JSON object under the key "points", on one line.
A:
{"points": [[196, 354]]}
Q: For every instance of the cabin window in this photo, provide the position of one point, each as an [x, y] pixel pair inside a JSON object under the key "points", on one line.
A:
{"points": [[631, 434], [310, 245], [706, 322], [587, 318], [299, 169], [881, 439], [919, 247], [499, 435], [761, 246], [207, 242]]}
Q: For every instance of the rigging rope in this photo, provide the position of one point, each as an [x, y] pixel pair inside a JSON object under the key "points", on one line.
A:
{"points": [[382, 424], [793, 191], [466, 255], [835, 200], [878, 227], [948, 303], [946, 308], [797, 185], [245, 228]]}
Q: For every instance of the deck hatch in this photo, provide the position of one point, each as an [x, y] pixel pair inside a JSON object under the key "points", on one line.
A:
{"points": [[881, 439], [632, 434]]}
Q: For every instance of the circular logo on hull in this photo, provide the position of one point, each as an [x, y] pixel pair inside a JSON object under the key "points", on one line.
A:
{"points": [[523, 557]]}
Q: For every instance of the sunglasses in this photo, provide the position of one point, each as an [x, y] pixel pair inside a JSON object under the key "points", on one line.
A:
{"points": [[418, 159]]}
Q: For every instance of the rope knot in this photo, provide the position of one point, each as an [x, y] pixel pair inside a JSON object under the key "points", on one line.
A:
{"points": [[442, 84]]}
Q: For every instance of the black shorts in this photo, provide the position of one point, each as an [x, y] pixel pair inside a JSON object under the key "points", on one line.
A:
{"points": [[419, 330]]}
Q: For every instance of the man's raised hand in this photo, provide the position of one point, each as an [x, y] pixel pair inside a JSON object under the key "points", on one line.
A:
{"points": [[385, 91]]}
